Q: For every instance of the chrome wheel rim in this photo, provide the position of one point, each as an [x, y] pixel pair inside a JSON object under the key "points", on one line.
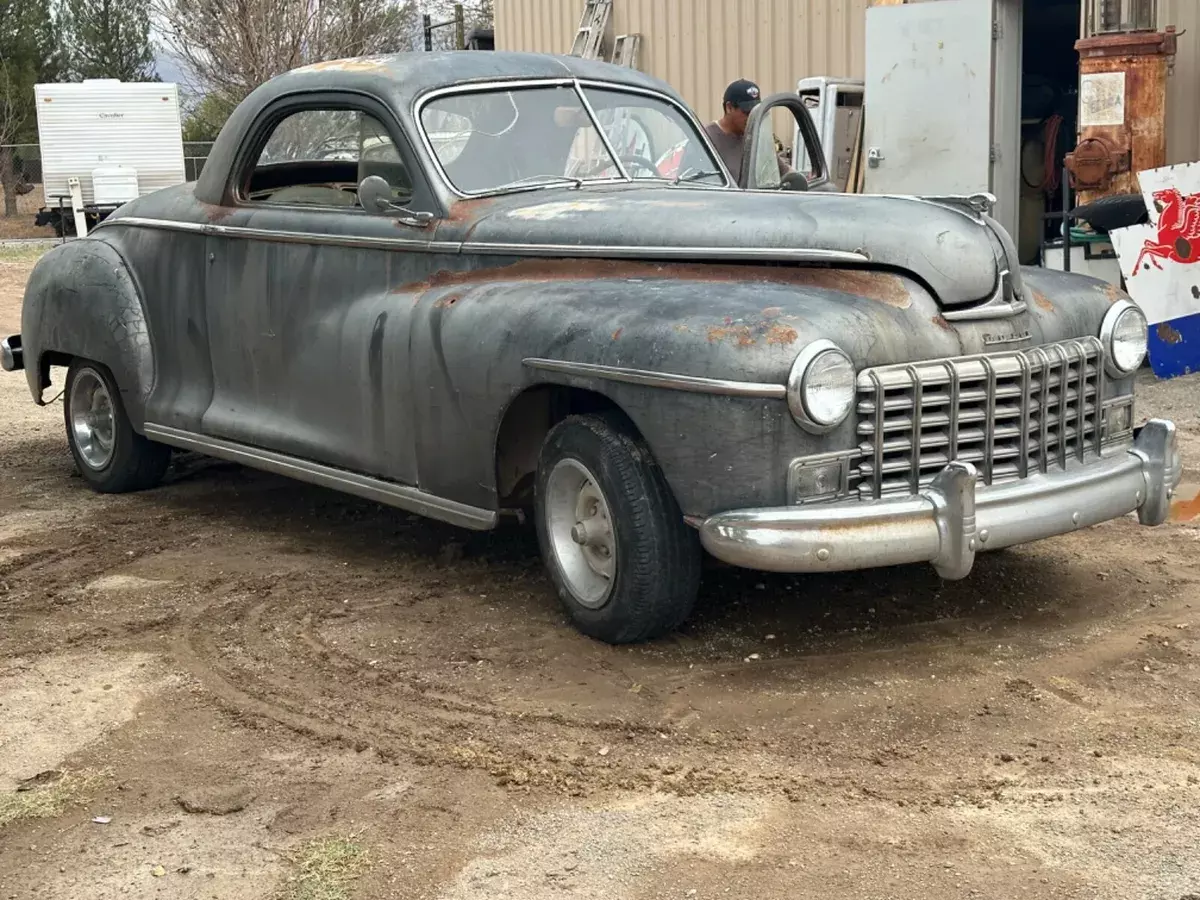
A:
{"points": [[93, 420], [581, 533]]}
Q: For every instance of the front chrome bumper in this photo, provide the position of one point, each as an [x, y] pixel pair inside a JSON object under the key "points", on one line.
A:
{"points": [[949, 521], [10, 354]]}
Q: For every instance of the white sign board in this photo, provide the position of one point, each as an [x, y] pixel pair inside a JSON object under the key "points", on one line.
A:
{"points": [[1161, 263]]}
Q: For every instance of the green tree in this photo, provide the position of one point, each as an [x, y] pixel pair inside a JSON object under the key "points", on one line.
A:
{"points": [[29, 55], [204, 120], [108, 39]]}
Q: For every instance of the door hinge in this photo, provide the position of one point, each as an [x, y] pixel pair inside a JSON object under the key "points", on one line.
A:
{"points": [[997, 31], [993, 153]]}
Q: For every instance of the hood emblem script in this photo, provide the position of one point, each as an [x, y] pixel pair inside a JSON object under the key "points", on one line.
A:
{"points": [[991, 339]]}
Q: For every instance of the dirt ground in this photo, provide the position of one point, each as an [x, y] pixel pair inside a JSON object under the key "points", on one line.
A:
{"points": [[21, 225], [233, 669]]}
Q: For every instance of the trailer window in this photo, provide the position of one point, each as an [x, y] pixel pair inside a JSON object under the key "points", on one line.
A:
{"points": [[317, 157]]}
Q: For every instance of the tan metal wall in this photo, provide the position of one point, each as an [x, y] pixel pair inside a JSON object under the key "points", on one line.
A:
{"points": [[1183, 87], [699, 46]]}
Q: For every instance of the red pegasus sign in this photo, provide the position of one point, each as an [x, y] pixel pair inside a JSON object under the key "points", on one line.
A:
{"points": [[1178, 230]]}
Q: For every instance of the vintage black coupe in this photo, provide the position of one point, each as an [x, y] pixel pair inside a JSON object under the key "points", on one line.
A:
{"points": [[476, 284]]}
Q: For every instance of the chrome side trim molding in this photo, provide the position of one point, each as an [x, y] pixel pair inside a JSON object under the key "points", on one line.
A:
{"points": [[386, 492], [491, 249], [689, 253], [690, 383], [287, 237]]}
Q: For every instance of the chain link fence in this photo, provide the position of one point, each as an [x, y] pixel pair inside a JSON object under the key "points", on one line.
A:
{"points": [[20, 190], [21, 193], [194, 155]]}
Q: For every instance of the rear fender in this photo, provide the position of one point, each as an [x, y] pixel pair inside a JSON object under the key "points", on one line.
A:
{"points": [[82, 301]]}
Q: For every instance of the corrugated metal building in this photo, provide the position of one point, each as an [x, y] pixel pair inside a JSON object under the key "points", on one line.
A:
{"points": [[699, 46]]}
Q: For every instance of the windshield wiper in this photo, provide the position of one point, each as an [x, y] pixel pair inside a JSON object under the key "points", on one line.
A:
{"points": [[696, 176], [539, 180]]}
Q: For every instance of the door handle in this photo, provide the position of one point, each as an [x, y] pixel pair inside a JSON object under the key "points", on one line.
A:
{"points": [[874, 157]]}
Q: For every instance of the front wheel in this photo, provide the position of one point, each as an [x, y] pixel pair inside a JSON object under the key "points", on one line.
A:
{"points": [[626, 566], [111, 456]]}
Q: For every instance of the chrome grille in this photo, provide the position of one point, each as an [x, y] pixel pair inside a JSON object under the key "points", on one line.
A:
{"points": [[1011, 414]]}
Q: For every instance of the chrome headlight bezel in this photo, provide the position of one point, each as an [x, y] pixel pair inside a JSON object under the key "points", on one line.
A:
{"points": [[1108, 331], [818, 352]]}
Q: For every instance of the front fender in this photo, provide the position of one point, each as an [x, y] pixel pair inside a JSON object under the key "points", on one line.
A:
{"points": [[473, 331], [82, 301]]}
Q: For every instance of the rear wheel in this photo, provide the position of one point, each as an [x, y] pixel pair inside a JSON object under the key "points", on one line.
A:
{"points": [[111, 456], [626, 566]]}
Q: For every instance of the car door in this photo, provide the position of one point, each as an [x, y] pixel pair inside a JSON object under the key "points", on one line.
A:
{"points": [[760, 160], [309, 332]]}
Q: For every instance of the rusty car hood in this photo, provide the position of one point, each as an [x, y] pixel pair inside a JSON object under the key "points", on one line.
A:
{"points": [[954, 251]]}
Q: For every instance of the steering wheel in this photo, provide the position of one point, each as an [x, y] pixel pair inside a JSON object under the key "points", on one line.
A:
{"points": [[641, 161]]}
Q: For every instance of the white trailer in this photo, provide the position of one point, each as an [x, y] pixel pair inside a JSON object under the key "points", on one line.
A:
{"points": [[105, 142]]}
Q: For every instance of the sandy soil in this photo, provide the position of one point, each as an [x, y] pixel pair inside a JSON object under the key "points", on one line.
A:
{"points": [[21, 225], [345, 670]]}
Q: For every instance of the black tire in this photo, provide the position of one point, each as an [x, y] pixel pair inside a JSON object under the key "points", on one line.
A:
{"points": [[657, 556], [132, 463]]}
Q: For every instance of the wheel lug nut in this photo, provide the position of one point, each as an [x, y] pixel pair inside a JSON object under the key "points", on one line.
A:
{"points": [[579, 533]]}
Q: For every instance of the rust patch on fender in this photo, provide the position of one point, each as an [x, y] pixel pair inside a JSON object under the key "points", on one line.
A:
{"points": [[781, 334], [617, 333], [1114, 293], [1042, 301], [747, 335], [940, 322], [881, 286], [742, 335], [1167, 334], [466, 210], [216, 214]]}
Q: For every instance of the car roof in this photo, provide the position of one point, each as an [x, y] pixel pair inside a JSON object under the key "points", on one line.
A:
{"points": [[408, 75], [400, 79]]}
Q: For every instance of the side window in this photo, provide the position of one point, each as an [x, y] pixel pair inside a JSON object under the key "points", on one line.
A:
{"points": [[317, 157]]}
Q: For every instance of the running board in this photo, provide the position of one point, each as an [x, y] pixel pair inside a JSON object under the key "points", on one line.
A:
{"points": [[386, 492]]}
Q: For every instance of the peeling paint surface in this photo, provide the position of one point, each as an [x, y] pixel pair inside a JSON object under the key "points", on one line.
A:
{"points": [[351, 64], [1167, 334], [1042, 301], [548, 212]]}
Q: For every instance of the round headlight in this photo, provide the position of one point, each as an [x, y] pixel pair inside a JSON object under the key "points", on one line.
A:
{"points": [[821, 386], [1124, 337]]}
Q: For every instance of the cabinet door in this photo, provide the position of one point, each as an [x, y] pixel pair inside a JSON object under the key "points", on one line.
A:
{"points": [[929, 98]]}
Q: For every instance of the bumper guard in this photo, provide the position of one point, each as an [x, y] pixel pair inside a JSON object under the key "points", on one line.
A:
{"points": [[949, 521], [11, 358]]}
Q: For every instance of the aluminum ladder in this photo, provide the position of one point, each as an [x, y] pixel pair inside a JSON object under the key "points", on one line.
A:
{"points": [[592, 27]]}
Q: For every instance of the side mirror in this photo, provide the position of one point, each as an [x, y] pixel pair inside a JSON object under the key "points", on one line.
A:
{"points": [[794, 181], [375, 195]]}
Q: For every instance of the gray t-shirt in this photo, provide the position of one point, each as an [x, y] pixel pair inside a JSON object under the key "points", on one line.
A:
{"points": [[730, 147]]}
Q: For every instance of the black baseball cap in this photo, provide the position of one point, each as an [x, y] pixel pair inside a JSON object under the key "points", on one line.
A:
{"points": [[743, 94]]}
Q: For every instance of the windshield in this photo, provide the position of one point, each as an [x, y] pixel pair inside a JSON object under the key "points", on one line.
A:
{"points": [[497, 139]]}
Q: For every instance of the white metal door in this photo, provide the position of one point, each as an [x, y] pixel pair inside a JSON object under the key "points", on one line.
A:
{"points": [[929, 98]]}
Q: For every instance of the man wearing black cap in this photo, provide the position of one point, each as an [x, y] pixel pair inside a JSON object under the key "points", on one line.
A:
{"points": [[728, 133]]}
